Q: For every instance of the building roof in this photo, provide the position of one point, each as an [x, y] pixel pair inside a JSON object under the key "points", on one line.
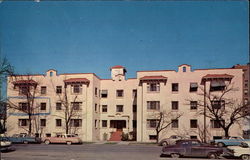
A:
{"points": [[117, 66], [153, 78], [77, 80], [25, 82]]}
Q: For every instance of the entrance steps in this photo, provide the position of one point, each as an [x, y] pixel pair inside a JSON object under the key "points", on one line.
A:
{"points": [[116, 136]]}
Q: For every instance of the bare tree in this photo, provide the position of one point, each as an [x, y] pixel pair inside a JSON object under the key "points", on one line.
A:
{"points": [[70, 108], [5, 70], [27, 88], [224, 111], [164, 120]]}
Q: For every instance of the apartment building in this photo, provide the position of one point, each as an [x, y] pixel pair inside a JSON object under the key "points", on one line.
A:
{"points": [[104, 108]]}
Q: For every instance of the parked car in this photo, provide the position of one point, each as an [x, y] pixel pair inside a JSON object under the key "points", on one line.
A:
{"points": [[63, 138], [242, 151], [23, 138], [230, 141], [191, 148], [171, 140], [6, 145]]}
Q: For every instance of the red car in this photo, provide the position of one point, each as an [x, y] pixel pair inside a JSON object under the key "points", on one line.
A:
{"points": [[191, 148]]}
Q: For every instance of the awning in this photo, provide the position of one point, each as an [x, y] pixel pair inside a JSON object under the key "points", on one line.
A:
{"points": [[77, 80], [25, 82], [149, 79]]}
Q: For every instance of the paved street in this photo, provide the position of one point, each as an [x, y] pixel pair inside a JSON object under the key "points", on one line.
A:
{"points": [[86, 152]]}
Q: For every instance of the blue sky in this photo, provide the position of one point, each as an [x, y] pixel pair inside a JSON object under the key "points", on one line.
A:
{"points": [[84, 36]]}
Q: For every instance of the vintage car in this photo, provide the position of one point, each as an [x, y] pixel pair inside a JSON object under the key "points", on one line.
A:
{"points": [[191, 148], [171, 140], [6, 145], [63, 138], [230, 141], [242, 151], [23, 138]]}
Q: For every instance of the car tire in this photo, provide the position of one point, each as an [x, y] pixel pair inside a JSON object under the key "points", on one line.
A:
{"points": [[245, 157], [212, 156], [25, 142], [69, 143], [164, 143], [47, 142], [174, 155], [220, 144]]}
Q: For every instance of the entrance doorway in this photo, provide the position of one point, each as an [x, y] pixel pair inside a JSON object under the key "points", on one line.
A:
{"points": [[118, 124]]}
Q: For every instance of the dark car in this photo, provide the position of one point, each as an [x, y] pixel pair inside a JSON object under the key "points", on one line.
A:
{"points": [[191, 148], [22, 138]]}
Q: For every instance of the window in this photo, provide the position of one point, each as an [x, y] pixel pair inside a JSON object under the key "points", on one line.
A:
{"points": [[175, 87], [104, 93], [95, 107], [42, 122], [58, 89], [23, 90], [75, 122], [175, 105], [152, 137], [153, 87], [104, 123], [151, 123], [104, 108], [119, 108], [76, 105], [95, 123], [96, 90], [134, 108], [48, 134], [193, 123], [23, 122], [245, 92], [193, 137], [218, 104], [193, 87], [174, 123], [134, 124], [76, 88], [193, 105], [119, 93], [184, 69], [216, 123], [58, 122], [43, 90], [153, 105], [217, 86], [50, 74], [23, 106], [43, 106], [134, 93], [58, 106]]}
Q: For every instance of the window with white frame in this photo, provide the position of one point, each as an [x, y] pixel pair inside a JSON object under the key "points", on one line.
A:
{"points": [[76, 105], [104, 93], [23, 122], [153, 105], [151, 123], [153, 87], [76, 88]]}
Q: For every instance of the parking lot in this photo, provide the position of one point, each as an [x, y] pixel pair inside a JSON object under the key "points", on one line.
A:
{"points": [[86, 152]]}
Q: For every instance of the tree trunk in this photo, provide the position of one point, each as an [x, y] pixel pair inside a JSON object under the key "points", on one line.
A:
{"points": [[30, 124], [157, 136], [226, 130]]}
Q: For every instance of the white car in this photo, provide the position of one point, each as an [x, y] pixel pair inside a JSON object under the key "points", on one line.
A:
{"points": [[5, 146], [242, 151]]}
